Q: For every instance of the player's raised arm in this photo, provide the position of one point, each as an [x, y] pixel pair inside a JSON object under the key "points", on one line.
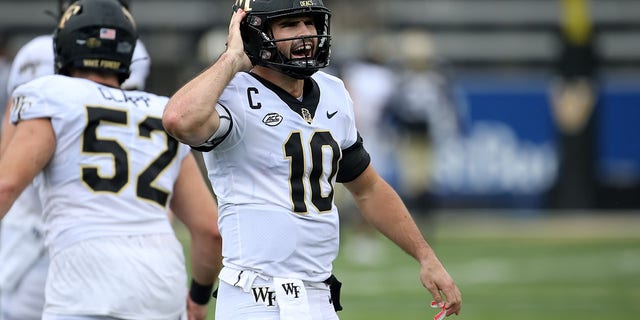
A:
{"points": [[190, 115]]}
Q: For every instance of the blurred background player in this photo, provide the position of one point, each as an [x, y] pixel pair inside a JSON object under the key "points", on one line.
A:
{"points": [[407, 112], [575, 106], [425, 113], [5, 67], [371, 81], [24, 259]]}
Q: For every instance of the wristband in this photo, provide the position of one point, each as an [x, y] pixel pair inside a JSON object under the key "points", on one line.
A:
{"points": [[200, 294]]}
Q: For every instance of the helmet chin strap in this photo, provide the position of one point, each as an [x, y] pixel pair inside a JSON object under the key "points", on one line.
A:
{"points": [[302, 67], [303, 62]]}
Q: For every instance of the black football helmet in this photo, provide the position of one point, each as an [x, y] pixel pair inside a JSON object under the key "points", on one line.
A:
{"points": [[260, 45], [97, 35]]}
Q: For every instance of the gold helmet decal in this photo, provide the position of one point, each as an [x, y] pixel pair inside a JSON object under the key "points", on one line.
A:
{"points": [[129, 16], [244, 4], [71, 11], [307, 3]]}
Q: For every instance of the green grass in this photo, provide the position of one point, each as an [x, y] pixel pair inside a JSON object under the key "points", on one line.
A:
{"points": [[532, 269]]}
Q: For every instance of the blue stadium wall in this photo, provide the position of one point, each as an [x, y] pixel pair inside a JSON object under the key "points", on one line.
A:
{"points": [[508, 155]]}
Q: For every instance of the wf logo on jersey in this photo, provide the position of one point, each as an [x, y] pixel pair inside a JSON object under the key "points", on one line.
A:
{"points": [[20, 104], [268, 297], [291, 289], [265, 296]]}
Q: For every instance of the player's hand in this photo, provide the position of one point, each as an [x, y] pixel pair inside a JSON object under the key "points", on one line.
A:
{"points": [[235, 46], [441, 286], [196, 311]]}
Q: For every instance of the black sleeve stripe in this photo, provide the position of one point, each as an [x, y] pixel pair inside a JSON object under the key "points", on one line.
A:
{"points": [[210, 145], [355, 160]]}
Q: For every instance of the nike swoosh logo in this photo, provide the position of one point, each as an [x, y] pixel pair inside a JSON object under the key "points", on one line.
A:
{"points": [[330, 115]]}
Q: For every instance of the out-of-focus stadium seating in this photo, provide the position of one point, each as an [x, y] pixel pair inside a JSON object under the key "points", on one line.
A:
{"points": [[502, 53], [474, 33]]}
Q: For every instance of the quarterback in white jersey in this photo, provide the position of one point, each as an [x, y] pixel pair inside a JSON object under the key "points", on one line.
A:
{"points": [[278, 139], [282, 155], [109, 175], [23, 275]]}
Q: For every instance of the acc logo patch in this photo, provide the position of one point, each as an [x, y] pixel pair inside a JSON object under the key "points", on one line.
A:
{"points": [[272, 119]]}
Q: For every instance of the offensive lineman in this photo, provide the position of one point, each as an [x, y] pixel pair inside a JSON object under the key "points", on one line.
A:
{"points": [[24, 260], [280, 135], [109, 175]]}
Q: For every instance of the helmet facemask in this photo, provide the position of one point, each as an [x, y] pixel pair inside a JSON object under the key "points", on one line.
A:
{"points": [[261, 47]]}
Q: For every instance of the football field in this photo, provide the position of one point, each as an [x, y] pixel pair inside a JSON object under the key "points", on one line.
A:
{"points": [[536, 267]]}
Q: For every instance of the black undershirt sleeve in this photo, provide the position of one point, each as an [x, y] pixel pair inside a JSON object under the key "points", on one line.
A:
{"points": [[355, 160]]}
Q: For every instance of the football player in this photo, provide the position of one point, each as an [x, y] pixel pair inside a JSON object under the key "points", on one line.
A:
{"points": [[23, 275], [110, 173], [279, 135]]}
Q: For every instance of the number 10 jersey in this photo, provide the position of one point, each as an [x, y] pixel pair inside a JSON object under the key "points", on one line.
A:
{"points": [[274, 171]]}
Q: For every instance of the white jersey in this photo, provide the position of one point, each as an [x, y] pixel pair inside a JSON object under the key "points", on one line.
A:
{"points": [[36, 59], [21, 243], [33, 60], [274, 173], [21, 239], [140, 65], [111, 152]]}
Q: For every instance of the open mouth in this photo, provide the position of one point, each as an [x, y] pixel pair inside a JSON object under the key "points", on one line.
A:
{"points": [[304, 49]]}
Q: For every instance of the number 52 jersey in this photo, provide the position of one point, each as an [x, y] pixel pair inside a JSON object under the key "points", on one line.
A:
{"points": [[111, 152], [274, 169]]}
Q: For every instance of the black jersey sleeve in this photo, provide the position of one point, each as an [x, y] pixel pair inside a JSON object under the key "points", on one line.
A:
{"points": [[355, 160]]}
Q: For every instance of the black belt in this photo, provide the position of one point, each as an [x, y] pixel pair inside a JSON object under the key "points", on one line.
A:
{"points": [[334, 288]]}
